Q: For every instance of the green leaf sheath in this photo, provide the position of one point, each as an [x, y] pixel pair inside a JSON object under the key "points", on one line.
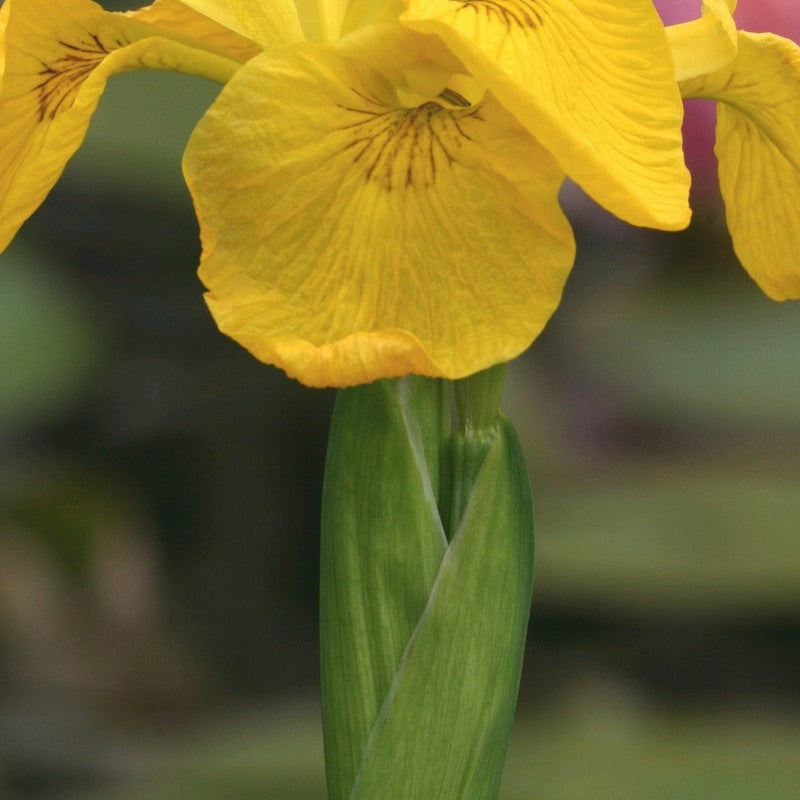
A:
{"points": [[381, 545], [422, 640]]}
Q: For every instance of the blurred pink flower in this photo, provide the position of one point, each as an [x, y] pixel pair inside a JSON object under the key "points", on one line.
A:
{"points": [[774, 16]]}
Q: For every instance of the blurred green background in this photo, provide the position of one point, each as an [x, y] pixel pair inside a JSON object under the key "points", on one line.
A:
{"points": [[159, 496]]}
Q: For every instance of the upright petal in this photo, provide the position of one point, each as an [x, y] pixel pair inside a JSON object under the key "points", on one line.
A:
{"points": [[419, 67], [758, 149], [268, 24], [365, 12], [347, 238], [58, 56], [706, 44], [178, 19], [220, 11], [592, 80]]}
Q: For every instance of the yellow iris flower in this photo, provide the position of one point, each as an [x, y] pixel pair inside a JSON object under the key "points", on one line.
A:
{"points": [[755, 79], [377, 182]]}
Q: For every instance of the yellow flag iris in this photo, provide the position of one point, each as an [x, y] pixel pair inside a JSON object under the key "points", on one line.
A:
{"points": [[377, 183], [755, 79]]}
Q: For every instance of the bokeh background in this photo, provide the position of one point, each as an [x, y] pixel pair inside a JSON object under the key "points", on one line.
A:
{"points": [[159, 501]]}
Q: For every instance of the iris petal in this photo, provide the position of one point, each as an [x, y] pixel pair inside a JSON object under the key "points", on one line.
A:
{"points": [[176, 18], [58, 56], [592, 80], [758, 149], [268, 24], [353, 238], [705, 44]]}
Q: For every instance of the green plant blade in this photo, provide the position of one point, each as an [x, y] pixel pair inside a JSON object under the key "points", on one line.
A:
{"points": [[443, 730], [381, 548]]}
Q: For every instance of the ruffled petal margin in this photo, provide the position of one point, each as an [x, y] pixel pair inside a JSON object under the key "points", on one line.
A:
{"points": [[353, 239], [57, 58], [758, 150], [592, 80]]}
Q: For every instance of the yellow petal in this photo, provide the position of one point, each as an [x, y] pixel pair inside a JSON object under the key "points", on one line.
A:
{"points": [[706, 44], [365, 12], [758, 149], [763, 83], [3, 23], [328, 20], [275, 22], [175, 17], [419, 64], [268, 24], [347, 238], [330, 14], [58, 56], [309, 12], [762, 204], [220, 11], [592, 80]]}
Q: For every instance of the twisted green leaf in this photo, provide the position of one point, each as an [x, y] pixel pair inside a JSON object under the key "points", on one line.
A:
{"points": [[382, 543], [421, 640]]}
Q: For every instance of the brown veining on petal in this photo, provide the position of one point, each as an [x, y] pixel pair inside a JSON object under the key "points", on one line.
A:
{"points": [[522, 13], [61, 77], [401, 148]]}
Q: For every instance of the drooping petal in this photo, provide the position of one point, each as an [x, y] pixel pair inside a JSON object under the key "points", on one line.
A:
{"points": [[58, 56], [706, 44], [353, 239], [592, 80], [758, 149]]}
